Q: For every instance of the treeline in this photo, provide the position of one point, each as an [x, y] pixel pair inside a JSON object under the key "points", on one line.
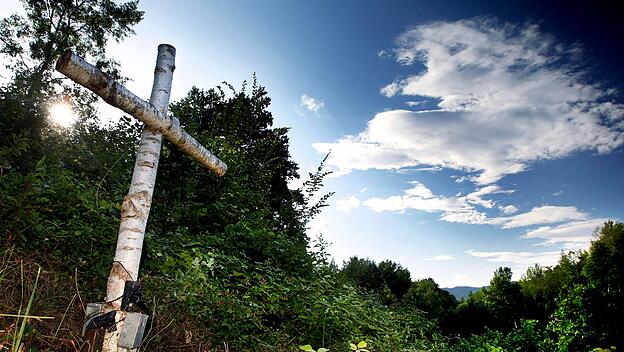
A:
{"points": [[226, 262], [575, 305]]}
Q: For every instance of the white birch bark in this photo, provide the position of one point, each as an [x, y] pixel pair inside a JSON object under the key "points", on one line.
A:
{"points": [[87, 75], [136, 205]]}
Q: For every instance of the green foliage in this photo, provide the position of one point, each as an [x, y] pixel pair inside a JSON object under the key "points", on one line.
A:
{"points": [[360, 347], [30, 45], [311, 187], [335, 314], [604, 270], [34, 41], [503, 299], [259, 306], [68, 203], [387, 278], [578, 301], [309, 348], [397, 278], [363, 272], [526, 338], [460, 320], [569, 327], [249, 211], [426, 295]]}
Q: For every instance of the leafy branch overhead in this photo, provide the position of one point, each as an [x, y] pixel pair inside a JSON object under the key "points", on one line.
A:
{"points": [[312, 204], [33, 41]]}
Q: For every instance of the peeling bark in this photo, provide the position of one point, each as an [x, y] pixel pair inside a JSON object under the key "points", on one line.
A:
{"points": [[156, 118], [136, 205]]}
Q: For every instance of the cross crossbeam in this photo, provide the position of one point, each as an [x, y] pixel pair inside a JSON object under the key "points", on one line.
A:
{"points": [[114, 93]]}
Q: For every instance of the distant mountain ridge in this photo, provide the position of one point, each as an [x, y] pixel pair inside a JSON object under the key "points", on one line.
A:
{"points": [[461, 291]]}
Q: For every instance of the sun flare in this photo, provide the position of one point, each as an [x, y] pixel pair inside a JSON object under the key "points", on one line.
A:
{"points": [[62, 114]]}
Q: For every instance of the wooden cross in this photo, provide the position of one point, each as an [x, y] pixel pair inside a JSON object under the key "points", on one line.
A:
{"points": [[136, 205]]}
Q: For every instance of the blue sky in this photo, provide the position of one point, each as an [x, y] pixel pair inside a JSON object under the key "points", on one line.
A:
{"points": [[464, 137]]}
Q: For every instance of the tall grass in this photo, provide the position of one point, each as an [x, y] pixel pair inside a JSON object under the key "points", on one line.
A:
{"points": [[17, 339]]}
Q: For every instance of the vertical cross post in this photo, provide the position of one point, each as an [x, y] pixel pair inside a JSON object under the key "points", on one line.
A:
{"points": [[136, 205]]}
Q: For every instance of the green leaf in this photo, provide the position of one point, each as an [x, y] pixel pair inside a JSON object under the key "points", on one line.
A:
{"points": [[323, 349], [353, 346], [306, 348], [362, 344]]}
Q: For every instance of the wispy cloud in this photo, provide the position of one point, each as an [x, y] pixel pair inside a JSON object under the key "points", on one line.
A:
{"points": [[517, 86], [411, 170], [461, 280], [419, 197], [508, 209], [347, 204], [574, 234], [476, 197], [567, 226], [519, 258], [453, 209], [415, 103], [546, 214], [462, 209], [311, 104], [391, 89], [440, 258]]}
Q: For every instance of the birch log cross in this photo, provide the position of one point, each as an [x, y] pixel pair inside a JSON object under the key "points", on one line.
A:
{"points": [[136, 205]]}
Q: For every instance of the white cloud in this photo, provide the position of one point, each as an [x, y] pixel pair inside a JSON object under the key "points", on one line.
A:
{"points": [[509, 96], [461, 280], [419, 190], [460, 179], [412, 170], [467, 216], [519, 258], [415, 103], [390, 90], [430, 169], [460, 209], [476, 196], [508, 209], [382, 53], [312, 104], [574, 235], [419, 197], [347, 204], [440, 258], [546, 214]]}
